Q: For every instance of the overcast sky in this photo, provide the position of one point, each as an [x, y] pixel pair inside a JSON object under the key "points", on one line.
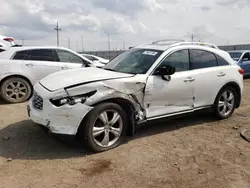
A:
{"points": [[129, 21]]}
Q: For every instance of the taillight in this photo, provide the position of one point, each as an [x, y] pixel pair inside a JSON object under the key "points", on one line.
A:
{"points": [[241, 71], [9, 39]]}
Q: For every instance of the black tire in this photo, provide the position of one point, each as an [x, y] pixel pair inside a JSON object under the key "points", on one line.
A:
{"points": [[24, 90], [218, 113], [85, 131]]}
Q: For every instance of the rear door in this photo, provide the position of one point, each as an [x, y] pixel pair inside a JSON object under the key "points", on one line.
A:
{"points": [[210, 73], [68, 60], [39, 62]]}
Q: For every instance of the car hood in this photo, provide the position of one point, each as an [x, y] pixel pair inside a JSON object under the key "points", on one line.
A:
{"points": [[67, 78]]}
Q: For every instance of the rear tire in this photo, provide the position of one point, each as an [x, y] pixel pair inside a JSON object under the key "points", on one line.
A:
{"points": [[104, 128], [16, 90], [225, 102]]}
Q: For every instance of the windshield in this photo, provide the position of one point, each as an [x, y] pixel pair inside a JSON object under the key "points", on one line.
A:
{"points": [[235, 55], [134, 61]]}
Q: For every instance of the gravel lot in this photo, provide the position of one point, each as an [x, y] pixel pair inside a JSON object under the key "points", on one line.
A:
{"points": [[194, 151]]}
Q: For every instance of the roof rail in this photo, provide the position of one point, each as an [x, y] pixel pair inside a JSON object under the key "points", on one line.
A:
{"points": [[196, 43], [169, 41], [16, 45]]}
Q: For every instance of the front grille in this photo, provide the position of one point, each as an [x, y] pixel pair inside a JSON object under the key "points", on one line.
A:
{"points": [[37, 101]]}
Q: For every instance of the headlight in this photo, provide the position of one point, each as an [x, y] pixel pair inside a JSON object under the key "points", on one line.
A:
{"points": [[72, 100]]}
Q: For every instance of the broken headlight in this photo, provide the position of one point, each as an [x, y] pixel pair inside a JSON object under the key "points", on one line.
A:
{"points": [[72, 100]]}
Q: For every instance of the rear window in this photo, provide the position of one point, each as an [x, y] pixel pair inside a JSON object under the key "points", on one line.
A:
{"points": [[21, 55], [202, 59], [221, 61], [41, 55]]}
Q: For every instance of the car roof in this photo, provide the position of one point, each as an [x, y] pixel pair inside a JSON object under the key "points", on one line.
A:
{"points": [[182, 45], [177, 45], [9, 52], [166, 44], [19, 48]]}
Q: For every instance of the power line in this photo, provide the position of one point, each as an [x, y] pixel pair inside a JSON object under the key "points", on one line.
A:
{"points": [[57, 33]]}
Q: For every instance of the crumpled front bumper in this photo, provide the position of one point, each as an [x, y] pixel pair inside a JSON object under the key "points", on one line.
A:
{"points": [[59, 120]]}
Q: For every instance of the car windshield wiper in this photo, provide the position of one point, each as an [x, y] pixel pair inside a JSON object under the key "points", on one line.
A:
{"points": [[119, 71], [109, 69]]}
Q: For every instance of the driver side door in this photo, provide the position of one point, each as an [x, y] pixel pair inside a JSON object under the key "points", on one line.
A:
{"points": [[163, 97]]}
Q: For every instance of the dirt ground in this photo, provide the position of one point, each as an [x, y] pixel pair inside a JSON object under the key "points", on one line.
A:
{"points": [[193, 151]]}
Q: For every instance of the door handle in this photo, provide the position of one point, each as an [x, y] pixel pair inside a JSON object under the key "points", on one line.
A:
{"points": [[29, 64], [221, 74], [189, 79], [64, 68]]}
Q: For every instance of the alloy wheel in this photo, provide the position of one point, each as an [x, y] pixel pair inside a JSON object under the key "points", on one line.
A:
{"points": [[107, 128], [226, 103], [16, 90]]}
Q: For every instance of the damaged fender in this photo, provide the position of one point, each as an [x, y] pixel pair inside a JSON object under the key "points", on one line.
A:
{"points": [[112, 89]]}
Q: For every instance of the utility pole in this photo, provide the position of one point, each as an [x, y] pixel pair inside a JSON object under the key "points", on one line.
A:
{"points": [[124, 45], [192, 37], [22, 42], [57, 33], [108, 44], [77, 46], [69, 43], [82, 43]]}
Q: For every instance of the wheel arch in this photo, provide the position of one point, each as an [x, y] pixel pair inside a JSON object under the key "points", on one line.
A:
{"points": [[127, 106], [17, 75], [237, 89]]}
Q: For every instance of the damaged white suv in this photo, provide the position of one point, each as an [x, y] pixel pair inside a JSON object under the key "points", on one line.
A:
{"points": [[164, 78]]}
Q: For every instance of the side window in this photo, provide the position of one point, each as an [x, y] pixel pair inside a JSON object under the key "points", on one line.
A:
{"points": [[21, 55], [221, 61], [179, 60], [246, 57], [65, 56], [41, 55], [200, 59]]}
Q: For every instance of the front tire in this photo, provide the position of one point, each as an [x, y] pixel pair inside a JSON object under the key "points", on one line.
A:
{"points": [[16, 90], [104, 128], [225, 103]]}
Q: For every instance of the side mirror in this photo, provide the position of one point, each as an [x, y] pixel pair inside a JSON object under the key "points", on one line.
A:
{"points": [[165, 71]]}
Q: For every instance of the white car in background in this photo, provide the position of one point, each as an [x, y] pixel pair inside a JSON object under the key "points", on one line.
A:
{"points": [[22, 67], [96, 58], [145, 83], [6, 42]]}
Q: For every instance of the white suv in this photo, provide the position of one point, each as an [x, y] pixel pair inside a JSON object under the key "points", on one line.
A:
{"points": [[147, 82], [22, 67]]}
